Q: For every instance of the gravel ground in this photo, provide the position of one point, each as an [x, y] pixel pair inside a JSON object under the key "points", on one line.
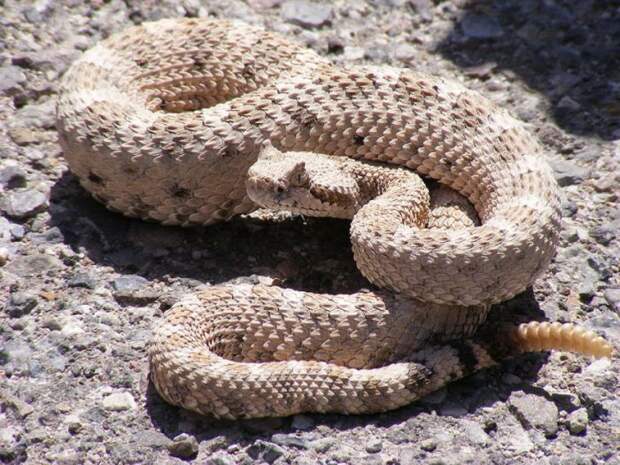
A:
{"points": [[81, 287]]}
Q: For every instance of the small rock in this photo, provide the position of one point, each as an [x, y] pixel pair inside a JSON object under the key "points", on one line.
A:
{"points": [[42, 115], [52, 236], [589, 277], [475, 433], [353, 53], [604, 233], [20, 304], [50, 60], [429, 445], [12, 450], [74, 424], [71, 327], [322, 445], [424, 8], [82, 280], [130, 282], [288, 440], [481, 27], [373, 446], [4, 256], [22, 408], [569, 208], [404, 52], [151, 438], [119, 401], [306, 14], [25, 136], [535, 412], [221, 460], [23, 203], [567, 103], [5, 229], [32, 265], [11, 78], [266, 451], [578, 421], [184, 446], [612, 296], [302, 422], [567, 173], [18, 356], [130, 290], [12, 177], [17, 232]]}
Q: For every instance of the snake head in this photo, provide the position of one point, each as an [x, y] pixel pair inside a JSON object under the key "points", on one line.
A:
{"points": [[301, 182]]}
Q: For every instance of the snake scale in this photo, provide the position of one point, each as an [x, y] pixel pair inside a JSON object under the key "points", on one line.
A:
{"points": [[163, 121]]}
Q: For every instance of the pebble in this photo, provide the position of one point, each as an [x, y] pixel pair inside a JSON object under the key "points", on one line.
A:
{"points": [[82, 279], [535, 412], [578, 421], [22, 408], [131, 290], [19, 357], [74, 424], [567, 173], [130, 282], [221, 460], [71, 327], [4, 256], [374, 445], [20, 304], [604, 233], [429, 445], [25, 136], [184, 446], [424, 8], [119, 401], [567, 103], [474, 432], [11, 79], [12, 177], [5, 229], [306, 14], [42, 115], [288, 440], [481, 27], [404, 52], [612, 296], [265, 451], [589, 278], [23, 203]]}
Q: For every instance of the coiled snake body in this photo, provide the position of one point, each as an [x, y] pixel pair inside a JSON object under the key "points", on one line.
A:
{"points": [[163, 122]]}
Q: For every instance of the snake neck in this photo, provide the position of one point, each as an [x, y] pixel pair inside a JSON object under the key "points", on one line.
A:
{"points": [[313, 184]]}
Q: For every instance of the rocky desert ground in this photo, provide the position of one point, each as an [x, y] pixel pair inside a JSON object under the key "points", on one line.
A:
{"points": [[81, 287]]}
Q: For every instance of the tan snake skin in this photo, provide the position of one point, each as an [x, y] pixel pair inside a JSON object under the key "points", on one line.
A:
{"points": [[163, 121]]}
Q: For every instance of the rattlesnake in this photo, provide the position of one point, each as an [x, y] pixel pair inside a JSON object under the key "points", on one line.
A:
{"points": [[163, 122]]}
